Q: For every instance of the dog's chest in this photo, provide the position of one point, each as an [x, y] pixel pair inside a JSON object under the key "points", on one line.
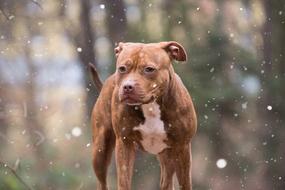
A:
{"points": [[152, 130]]}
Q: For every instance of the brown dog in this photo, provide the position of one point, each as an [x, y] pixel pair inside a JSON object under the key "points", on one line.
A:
{"points": [[145, 105]]}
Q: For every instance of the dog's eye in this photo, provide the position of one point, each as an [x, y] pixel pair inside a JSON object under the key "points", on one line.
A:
{"points": [[149, 70], [122, 69]]}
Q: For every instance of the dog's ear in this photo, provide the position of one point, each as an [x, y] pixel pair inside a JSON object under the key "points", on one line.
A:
{"points": [[174, 50], [118, 49]]}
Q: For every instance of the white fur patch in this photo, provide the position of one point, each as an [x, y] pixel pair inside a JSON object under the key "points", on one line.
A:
{"points": [[152, 130]]}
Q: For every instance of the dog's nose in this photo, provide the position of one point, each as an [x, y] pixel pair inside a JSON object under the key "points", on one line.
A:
{"points": [[128, 88]]}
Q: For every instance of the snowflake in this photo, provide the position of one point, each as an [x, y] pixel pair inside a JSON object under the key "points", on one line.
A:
{"points": [[76, 131], [221, 163], [79, 49], [102, 6], [269, 107]]}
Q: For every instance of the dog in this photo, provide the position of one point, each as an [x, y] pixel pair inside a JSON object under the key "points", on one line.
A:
{"points": [[144, 105]]}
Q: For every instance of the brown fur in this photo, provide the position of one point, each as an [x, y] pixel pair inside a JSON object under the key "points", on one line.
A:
{"points": [[113, 120]]}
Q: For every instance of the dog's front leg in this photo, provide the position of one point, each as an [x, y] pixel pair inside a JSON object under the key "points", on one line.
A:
{"points": [[183, 167], [167, 169], [125, 156]]}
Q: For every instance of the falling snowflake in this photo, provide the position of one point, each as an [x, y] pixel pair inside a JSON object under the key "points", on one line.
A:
{"points": [[269, 107], [79, 49], [76, 131], [11, 17], [221, 163], [244, 105], [102, 6]]}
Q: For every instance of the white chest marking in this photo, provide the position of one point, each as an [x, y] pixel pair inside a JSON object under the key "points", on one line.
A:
{"points": [[152, 130]]}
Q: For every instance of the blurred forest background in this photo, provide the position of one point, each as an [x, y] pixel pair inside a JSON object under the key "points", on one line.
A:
{"points": [[236, 75]]}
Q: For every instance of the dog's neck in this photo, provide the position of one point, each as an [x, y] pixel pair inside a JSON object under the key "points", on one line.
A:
{"points": [[171, 92]]}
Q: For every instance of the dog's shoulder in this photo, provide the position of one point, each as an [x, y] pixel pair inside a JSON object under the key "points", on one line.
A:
{"points": [[107, 88]]}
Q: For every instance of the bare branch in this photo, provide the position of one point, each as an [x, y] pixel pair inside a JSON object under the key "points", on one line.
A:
{"points": [[11, 17], [3, 12], [37, 3], [16, 175]]}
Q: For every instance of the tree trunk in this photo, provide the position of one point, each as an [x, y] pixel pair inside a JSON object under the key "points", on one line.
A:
{"points": [[266, 35], [3, 120], [34, 127], [85, 41], [116, 19], [273, 52]]}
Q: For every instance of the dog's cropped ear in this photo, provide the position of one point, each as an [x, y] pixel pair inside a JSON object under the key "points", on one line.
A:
{"points": [[174, 50], [118, 49]]}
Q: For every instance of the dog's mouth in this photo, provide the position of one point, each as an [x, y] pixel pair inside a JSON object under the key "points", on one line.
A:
{"points": [[129, 100], [135, 101]]}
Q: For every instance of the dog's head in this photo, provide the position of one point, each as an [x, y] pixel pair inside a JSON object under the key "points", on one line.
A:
{"points": [[142, 70]]}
